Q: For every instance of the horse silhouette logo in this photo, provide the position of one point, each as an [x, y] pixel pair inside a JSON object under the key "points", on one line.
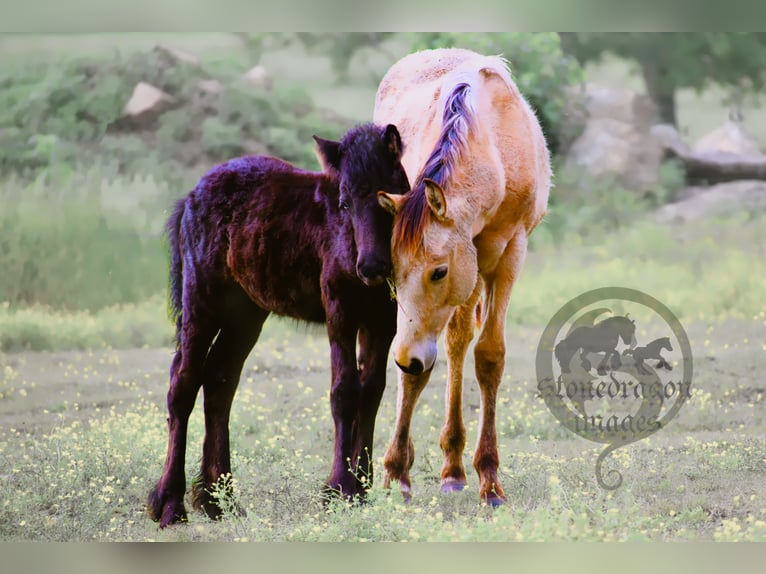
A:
{"points": [[600, 338], [601, 382], [651, 351]]}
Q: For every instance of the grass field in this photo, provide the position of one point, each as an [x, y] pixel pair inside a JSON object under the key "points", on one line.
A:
{"points": [[82, 388], [84, 436]]}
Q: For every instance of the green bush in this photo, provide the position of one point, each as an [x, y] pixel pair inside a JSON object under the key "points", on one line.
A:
{"points": [[221, 140], [68, 113]]}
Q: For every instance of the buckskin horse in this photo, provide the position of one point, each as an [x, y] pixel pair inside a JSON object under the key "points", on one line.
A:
{"points": [[481, 173], [259, 236]]}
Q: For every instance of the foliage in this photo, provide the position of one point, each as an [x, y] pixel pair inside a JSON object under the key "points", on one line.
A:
{"points": [[258, 43], [121, 326], [82, 240], [539, 67], [69, 112], [341, 47], [671, 61]]}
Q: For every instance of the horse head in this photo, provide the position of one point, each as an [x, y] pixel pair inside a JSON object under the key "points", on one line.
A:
{"points": [[435, 270], [367, 161], [626, 327]]}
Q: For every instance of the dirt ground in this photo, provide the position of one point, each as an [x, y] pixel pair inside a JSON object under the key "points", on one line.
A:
{"points": [[729, 360]]}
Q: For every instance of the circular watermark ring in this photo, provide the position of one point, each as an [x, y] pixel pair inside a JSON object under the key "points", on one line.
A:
{"points": [[653, 392]]}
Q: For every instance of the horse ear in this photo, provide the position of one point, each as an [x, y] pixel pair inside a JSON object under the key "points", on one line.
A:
{"points": [[391, 203], [436, 200], [328, 153], [393, 141]]}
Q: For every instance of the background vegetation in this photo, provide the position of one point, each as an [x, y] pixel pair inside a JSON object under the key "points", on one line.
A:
{"points": [[83, 267]]}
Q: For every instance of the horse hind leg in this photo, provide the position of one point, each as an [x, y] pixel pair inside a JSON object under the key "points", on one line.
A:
{"points": [[452, 439], [222, 371], [165, 502]]}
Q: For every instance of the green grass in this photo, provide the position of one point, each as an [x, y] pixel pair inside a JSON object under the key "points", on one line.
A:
{"points": [[83, 240], [711, 269], [124, 326], [81, 460]]}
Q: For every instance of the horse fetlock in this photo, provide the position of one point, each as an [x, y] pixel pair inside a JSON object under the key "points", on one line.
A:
{"points": [[453, 480], [165, 507], [493, 495]]}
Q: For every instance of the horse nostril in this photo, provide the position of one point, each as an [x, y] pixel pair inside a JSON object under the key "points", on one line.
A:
{"points": [[372, 273], [415, 368]]}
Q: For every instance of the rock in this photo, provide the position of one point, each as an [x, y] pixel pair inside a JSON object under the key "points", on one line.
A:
{"points": [[145, 105], [718, 199], [259, 77], [176, 57], [617, 139], [212, 87], [714, 162], [730, 137], [668, 137]]}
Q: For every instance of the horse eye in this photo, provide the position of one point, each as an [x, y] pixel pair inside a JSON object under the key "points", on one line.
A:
{"points": [[439, 273], [344, 204]]}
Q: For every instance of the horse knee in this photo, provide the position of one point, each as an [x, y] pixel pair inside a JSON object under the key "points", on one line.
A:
{"points": [[182, 393], [489, 362], [344, 397], [452, 439]]}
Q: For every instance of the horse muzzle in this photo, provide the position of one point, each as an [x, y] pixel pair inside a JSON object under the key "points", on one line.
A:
{"points": [[417, 363], [374, 273]]}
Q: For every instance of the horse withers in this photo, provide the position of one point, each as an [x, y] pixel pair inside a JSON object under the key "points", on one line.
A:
{"points": [[481, 173], [259, 236]]}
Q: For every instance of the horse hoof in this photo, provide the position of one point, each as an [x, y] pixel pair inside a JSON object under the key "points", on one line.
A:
{"points": [[494, 501], [163, 509], [452, 485]]}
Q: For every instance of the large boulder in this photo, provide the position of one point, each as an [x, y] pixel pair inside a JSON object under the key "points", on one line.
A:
{"points": [[730, 137], [259, 77], [617, 139], [699, 202], [145, 105], [176, 57], [726, 154]]}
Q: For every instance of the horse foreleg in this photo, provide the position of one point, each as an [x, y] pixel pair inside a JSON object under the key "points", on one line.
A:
{"points": [[222, 371], [489, 355], [166, 501], [400, 453], [344, 401], [374, 344], [452, 440]]}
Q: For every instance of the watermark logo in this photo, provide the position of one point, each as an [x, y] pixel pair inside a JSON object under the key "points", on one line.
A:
{"points": [[614, 365]]}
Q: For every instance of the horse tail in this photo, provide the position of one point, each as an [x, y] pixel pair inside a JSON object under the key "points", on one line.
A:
{"points": [[173, 233], [564, 352]]}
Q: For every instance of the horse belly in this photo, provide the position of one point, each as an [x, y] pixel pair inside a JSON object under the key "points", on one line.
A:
{"points": [[279, 280]]}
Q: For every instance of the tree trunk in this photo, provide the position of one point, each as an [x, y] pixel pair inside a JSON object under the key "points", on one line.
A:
{"points": [[660, 88]]}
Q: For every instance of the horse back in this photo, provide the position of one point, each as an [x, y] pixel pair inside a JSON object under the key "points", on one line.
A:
{"points": [[507, 172], [262, 223]]}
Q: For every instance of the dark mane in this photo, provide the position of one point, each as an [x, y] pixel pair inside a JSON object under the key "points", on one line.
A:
{"points": [[414, 213]]}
